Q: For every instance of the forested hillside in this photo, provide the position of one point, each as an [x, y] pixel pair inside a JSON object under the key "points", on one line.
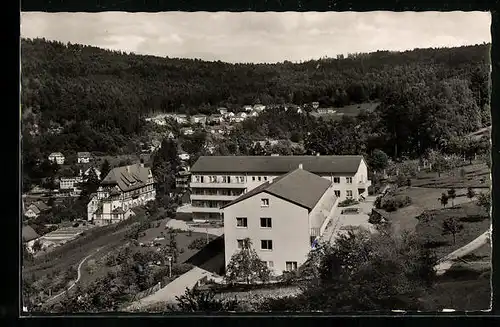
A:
{"points": [[96, 98]]}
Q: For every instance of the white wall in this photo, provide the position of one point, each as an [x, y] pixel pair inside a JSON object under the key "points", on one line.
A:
{"points": [[289, 232]]}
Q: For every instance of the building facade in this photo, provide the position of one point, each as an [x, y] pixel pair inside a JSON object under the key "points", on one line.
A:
{"points": [[218, 180], [57, 157], [83, 157], [281, 220], [122, 189]]}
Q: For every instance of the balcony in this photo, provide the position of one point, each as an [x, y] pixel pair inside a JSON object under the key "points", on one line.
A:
{"points": [[205, 209], [218, 185], [213, 197]]}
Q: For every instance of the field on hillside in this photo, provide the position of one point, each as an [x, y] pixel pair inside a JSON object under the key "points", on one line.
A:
{"points": [[422, 199], [183, 239], [475, 221], [476, 175], [461, 295]]}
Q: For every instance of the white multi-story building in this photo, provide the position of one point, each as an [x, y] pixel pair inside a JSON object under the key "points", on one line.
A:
{"points": [[218, 180], [121, 190], [281, 217], [67, 183], [83, 157]]}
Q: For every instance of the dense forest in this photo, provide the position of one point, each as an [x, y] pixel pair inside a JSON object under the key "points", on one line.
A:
{"points": [[95, 99]]}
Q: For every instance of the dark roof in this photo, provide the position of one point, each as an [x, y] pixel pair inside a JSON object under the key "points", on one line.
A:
{"points": [[278, 164], [128, 177], [83, 154], [299, 186], [42, 206], [28, 233]]}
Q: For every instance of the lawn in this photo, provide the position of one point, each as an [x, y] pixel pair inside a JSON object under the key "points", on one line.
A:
{"points": [[183, 238], [475, 221], [461, 295], [474, 174], [422, 199]]}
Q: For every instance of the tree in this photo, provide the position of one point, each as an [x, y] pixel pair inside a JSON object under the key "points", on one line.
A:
{"points": [[166, 164], [443, 199], [195, 300], [470, 193], [174, 251], [453, 227], [378, 160], [363, 272], [91, 183], [438, 162], [484, 200], [246, 266], [452, 194], [37, 246], [105, 169]]}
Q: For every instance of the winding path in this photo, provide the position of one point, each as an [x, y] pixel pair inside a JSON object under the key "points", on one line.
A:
{"points": [[79, 271], [445, 263]]}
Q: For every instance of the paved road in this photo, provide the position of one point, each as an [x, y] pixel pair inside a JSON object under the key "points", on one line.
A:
{"points": [[79, 271], [175, 288], [449, 260]]}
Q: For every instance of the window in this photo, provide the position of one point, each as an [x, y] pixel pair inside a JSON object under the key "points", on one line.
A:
{"points": [[264, 202], [270, 264], [240, 179], [266, 245], [348, 180], [197, 179], [260, 178], [361, 179], [265, 178], [336, 180], [253, 178], [241, 222], [265, 222], [349, 193], [212, 179], [291, 265], [242, 244], [337, 193]]}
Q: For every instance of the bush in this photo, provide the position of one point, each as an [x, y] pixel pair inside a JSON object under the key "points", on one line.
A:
{"points": [[181, 268], [347, 202], [198, 244], [393, 203]]}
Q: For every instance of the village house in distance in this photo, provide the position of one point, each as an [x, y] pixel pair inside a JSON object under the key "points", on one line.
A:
{"points": [[122, 189], [218, 180], [282, 218]]}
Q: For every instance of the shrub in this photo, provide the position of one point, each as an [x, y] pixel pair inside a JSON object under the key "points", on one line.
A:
{"points": [[181, 268], [393, 203], [347, 202], [198, 244]]}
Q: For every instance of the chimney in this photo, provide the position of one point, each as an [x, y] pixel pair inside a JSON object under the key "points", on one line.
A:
{"points": [[300, 166]]}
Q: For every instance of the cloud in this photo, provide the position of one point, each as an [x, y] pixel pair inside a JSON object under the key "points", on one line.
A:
{"points": [[259, 37]]}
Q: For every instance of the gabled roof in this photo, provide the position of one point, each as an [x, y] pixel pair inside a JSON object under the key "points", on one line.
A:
{"points": [[83, 154], [277, 165], [28, 233], [56, 154], [41, 206], [128, 177], [34, 208], [300, 187]]}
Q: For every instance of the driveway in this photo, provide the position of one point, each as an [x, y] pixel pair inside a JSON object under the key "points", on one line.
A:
{"points": [[175, 288], [342, 222]]}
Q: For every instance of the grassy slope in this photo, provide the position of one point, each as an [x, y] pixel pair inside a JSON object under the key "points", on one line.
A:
{"points": [[431, 230], [473, 175]]}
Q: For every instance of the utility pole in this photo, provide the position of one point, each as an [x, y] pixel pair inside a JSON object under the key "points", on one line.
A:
{"points": [[170, 267], [206, 229]]}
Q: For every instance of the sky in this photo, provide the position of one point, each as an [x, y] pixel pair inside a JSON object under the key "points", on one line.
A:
{"points": [[260, 37]]}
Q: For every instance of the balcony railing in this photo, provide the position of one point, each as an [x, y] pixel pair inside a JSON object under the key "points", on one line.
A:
{"points": [[205, 209], [217, 185], [213, 197]]}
